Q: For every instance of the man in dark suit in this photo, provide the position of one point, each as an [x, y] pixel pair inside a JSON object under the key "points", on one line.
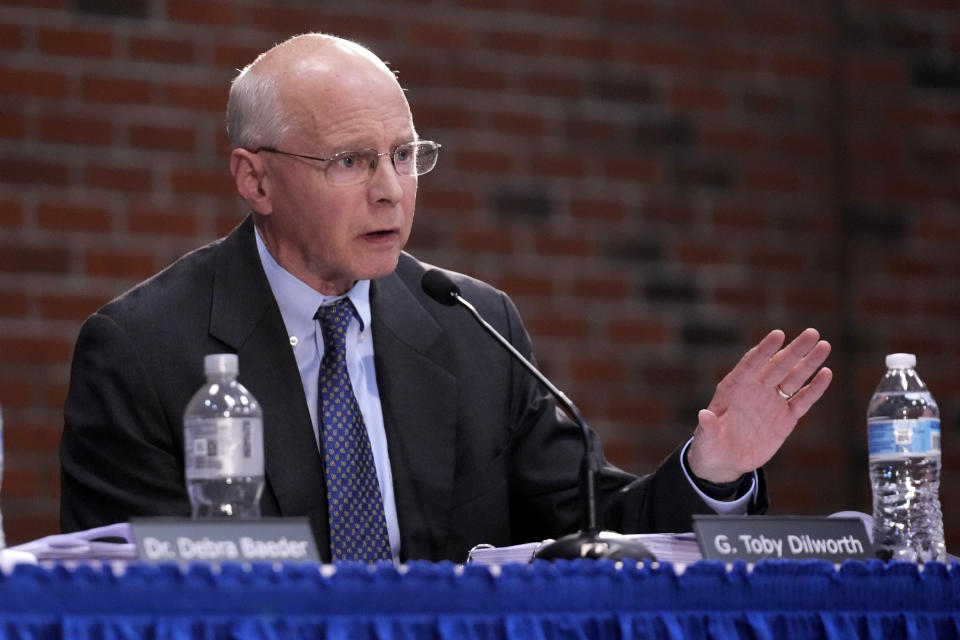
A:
{"points": [[467, 448]]}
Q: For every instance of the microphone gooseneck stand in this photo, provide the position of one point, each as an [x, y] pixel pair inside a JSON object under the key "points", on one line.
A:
{"points": [[592, 541]]}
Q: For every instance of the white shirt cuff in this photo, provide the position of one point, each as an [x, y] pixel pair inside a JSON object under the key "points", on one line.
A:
{"points": [[722, 507]]}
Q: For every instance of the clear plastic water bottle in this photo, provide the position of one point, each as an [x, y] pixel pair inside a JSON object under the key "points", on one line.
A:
{"points": [[223, 444], [904, 440]]}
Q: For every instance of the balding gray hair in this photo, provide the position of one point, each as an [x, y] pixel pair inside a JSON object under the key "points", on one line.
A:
{"points": [[255, 115]]}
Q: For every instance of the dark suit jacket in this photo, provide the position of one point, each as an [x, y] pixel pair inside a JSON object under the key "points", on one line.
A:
{"points": [[479, 452]]}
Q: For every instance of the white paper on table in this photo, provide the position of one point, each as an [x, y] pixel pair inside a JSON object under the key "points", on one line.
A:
{"points": [[83, 545], [677, 548]]}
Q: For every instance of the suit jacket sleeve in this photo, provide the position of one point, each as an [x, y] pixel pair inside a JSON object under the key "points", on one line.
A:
{"points": [[546, 463], [117, 450]]}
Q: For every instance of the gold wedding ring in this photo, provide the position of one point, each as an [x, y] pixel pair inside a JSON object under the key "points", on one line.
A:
{"points": [[783, 394]]}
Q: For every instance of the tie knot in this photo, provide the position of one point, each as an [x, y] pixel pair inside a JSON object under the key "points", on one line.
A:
{"points": [[334, 320]]}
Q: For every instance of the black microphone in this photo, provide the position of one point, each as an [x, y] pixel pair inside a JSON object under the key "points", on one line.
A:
{"points": [[591, 542]]}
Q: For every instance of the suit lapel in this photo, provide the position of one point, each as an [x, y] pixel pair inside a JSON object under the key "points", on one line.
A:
{"points": [[419, 399], [245, 316]]}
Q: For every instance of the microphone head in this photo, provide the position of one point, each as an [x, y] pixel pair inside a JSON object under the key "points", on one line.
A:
{"points": [[440, 287]]}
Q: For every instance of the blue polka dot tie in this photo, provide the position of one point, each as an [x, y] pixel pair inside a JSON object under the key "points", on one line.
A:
{"points": [[358, 528]]}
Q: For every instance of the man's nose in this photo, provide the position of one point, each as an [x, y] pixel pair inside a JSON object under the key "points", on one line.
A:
{"points": [[385, 181]]}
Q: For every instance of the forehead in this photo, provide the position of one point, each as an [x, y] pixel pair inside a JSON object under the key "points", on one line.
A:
{"points": [[354, 102], [366, 123]]}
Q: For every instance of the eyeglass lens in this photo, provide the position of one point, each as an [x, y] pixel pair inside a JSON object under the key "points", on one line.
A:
{"points": [[412, 159]]}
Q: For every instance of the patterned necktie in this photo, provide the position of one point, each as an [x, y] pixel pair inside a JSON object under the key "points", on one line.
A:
{"points": [[358, 528]]}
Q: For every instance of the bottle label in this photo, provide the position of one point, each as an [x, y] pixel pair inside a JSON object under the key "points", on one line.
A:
{"points": [[223, 447], [904, 437]]}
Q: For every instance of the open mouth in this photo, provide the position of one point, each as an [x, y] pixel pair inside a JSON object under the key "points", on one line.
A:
{"points": [[381, 237]]}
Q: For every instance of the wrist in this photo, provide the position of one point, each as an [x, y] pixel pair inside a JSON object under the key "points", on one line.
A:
{"points": [[723, 490], [699, 467]]}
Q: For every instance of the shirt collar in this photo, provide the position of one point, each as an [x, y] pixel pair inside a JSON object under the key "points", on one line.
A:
{"points": [[298, 301]]}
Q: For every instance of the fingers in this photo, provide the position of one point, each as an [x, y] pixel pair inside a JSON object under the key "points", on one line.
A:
{"points": [[809, 394], [783, 362], [754, 359], [807, 366]]}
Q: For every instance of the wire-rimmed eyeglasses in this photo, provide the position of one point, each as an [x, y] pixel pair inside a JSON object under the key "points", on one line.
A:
{"points": [[353, 167]]}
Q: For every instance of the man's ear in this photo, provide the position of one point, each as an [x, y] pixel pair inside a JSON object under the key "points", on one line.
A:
{"points": [[250, 177]]}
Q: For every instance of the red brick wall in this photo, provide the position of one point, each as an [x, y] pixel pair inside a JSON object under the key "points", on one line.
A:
{"points": [[657, 184]]}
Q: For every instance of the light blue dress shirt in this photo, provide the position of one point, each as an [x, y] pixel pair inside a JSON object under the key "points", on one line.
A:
{"points": [[298, 303]]}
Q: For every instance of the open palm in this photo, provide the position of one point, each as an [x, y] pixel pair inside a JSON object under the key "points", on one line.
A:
{"points": [[757, 405]]}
